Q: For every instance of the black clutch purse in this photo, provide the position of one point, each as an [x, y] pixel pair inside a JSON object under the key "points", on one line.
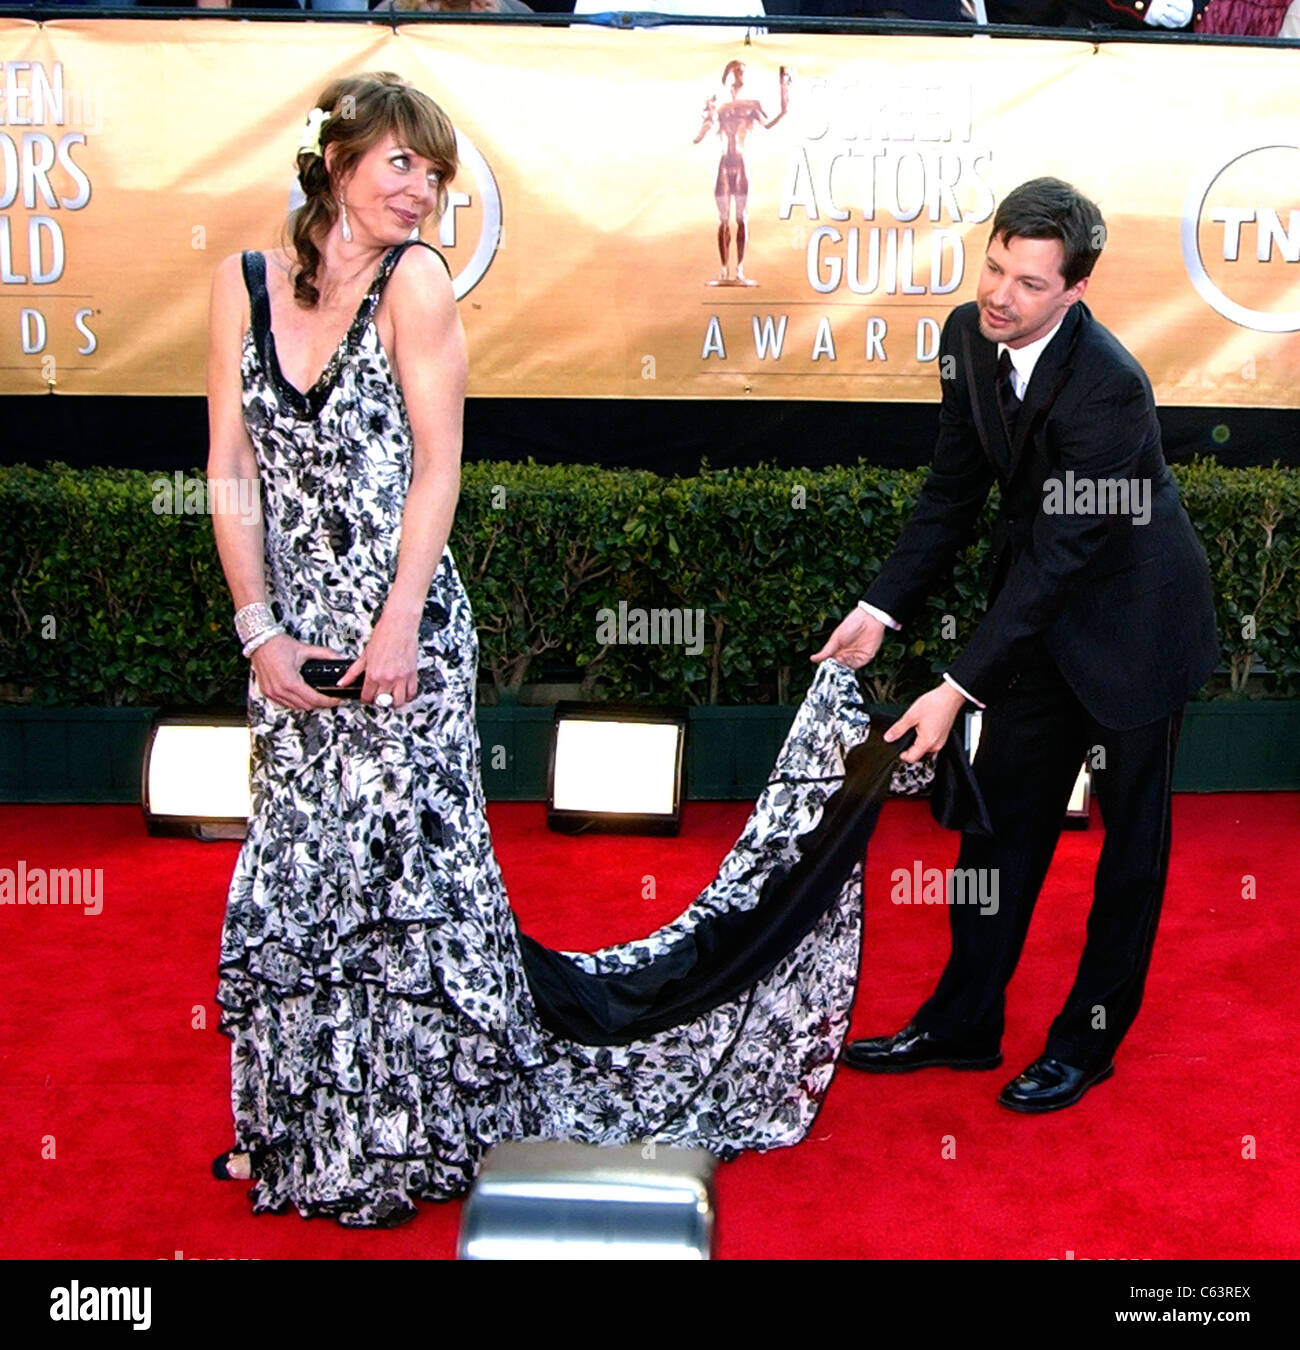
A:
{"points": [[324, 676]]}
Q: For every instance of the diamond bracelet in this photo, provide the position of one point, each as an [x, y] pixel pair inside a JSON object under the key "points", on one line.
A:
{"points": [[264, 636], [253, 619]]}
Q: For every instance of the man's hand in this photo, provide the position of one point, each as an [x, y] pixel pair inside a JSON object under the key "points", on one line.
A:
{"points": [[932, 715], [855, 641], [1168, 13]]}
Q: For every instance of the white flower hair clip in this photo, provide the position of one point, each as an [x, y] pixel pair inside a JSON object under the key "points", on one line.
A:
{"points": [[310, 144]]}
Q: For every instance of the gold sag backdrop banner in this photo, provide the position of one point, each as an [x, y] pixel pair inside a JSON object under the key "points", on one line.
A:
{"points": [[583, 227]]}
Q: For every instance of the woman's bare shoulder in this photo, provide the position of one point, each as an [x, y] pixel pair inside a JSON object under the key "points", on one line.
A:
{"points": [[421, 276], [279, 258], [228, 308], [228, 280]]}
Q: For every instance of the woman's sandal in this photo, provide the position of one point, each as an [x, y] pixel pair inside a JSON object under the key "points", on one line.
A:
{"points": [[221, 1164]]}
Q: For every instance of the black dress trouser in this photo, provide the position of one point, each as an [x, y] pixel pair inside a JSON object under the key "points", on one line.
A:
{"points": [[1033, 740]]}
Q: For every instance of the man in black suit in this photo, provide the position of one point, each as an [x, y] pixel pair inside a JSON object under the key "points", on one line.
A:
{"points": [[1100, 626]]}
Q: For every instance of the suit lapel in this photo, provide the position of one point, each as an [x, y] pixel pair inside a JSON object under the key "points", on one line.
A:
{"points": [[1050, 373], [981, 370]]}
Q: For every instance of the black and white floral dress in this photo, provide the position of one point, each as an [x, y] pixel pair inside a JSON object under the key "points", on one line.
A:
{"points": [[376, 990]]}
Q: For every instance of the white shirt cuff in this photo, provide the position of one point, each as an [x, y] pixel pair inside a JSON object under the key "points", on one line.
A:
{"points": [[878, 614], [968, 697]]}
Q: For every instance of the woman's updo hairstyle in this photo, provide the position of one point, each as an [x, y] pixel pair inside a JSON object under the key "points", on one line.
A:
{"points": [[362, 110]]}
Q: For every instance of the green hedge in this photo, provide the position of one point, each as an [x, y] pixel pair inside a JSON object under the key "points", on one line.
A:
{"points": [[107, 602]]}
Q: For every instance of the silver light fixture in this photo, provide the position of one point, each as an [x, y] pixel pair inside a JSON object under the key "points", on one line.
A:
{"points": [[539, 1199]]}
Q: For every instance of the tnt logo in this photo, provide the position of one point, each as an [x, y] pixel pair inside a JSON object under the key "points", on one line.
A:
{"points": [[1241, 238], [1268, 231]]}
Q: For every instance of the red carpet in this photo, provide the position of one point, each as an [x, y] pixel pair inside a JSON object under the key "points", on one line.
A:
{"points": [[102, 1067]]}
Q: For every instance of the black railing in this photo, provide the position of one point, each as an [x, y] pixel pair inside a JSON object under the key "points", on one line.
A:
{"points": [[616, 18]]}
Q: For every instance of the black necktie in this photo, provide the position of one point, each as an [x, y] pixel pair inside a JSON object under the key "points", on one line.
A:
{"points": [[1007, 399]]}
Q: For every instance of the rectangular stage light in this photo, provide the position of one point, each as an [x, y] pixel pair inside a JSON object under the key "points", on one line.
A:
{"points": [[616, 767], [195, 779]]}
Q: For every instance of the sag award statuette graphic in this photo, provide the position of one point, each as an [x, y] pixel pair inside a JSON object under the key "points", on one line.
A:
{"points": [[733, 120]]}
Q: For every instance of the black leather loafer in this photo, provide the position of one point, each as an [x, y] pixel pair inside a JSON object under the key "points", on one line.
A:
{"points": [[1048, 1085], [912, 1048]]}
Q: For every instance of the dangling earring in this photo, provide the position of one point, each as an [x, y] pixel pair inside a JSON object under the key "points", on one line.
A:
{"points": [[347, 229]]}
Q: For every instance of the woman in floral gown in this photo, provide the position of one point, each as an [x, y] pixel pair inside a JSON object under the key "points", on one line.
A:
{"points": [[388, 1022]]}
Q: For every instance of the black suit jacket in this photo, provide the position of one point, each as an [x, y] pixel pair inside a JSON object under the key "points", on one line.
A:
{"points": [[1124, 605]]}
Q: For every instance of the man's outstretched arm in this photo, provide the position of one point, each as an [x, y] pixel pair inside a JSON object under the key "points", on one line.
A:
{"points": [[950, 501], [941, 523]]}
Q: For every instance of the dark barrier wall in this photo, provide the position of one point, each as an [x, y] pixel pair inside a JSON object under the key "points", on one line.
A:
{"points": [[665, 436]]}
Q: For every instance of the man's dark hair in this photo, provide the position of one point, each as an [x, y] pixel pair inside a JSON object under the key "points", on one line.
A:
{"points": [[1047, 208]]}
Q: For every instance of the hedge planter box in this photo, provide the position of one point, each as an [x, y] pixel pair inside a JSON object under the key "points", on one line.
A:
{"points": [[95, 754], [1251, 746], [514, 747], [72, 754], [1248, 746]]}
